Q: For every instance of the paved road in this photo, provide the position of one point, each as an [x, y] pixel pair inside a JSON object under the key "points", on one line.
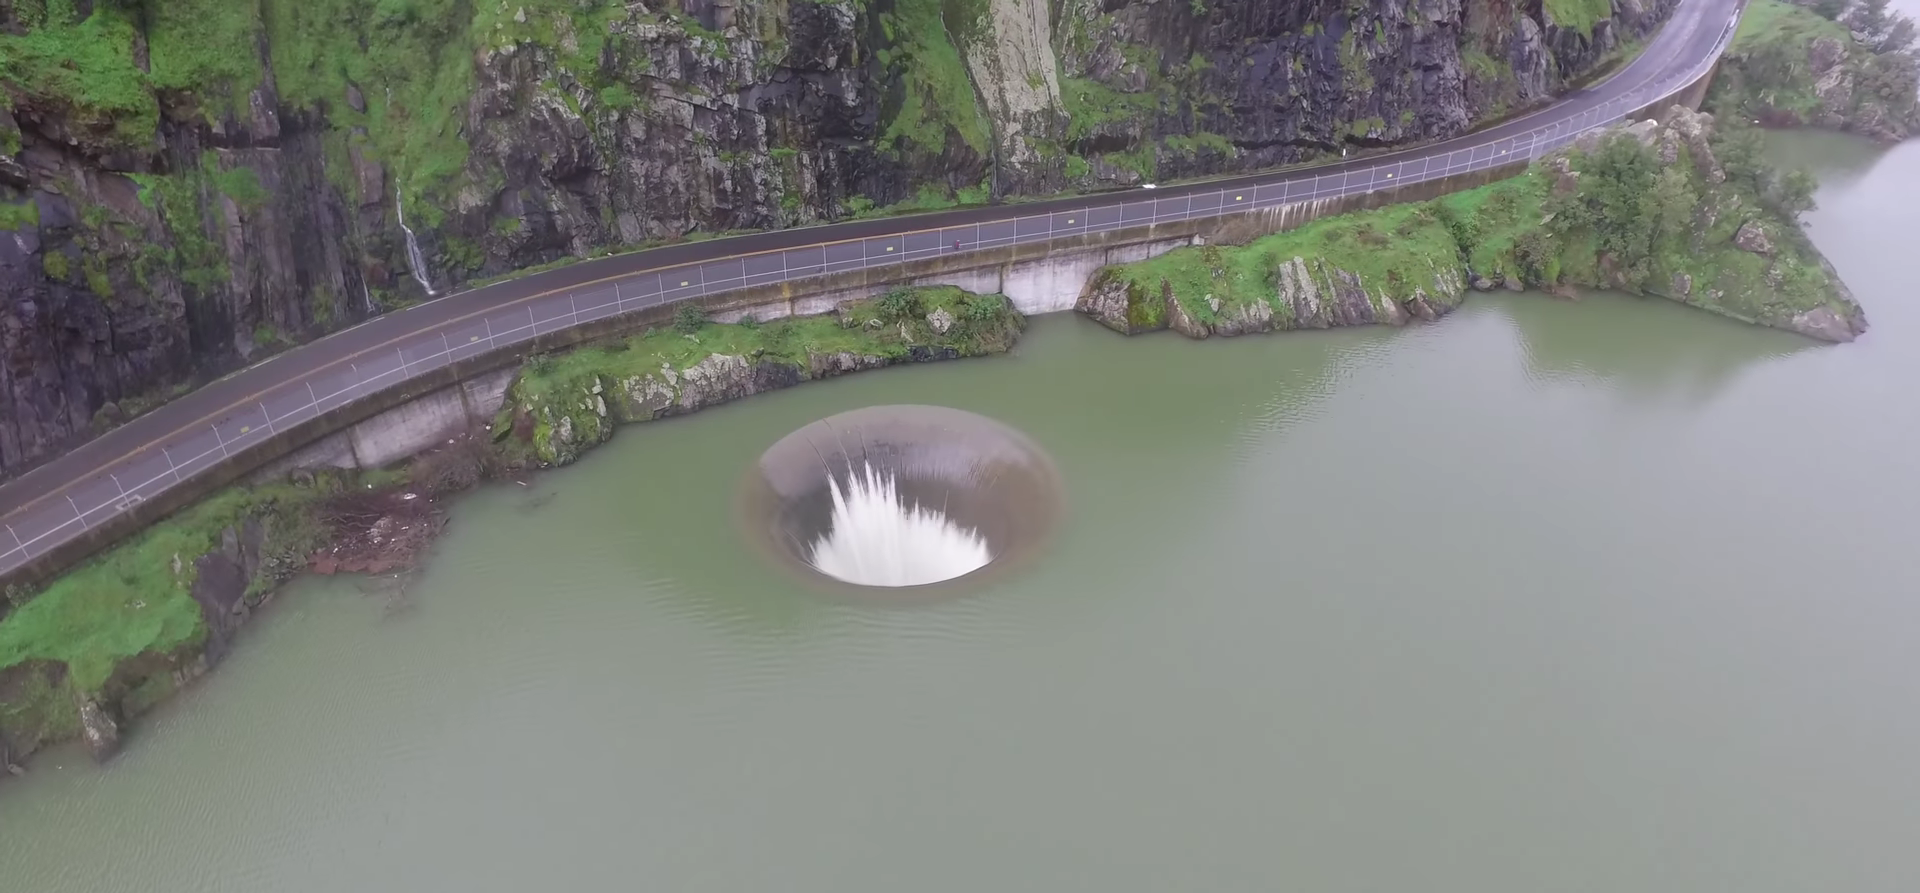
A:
{"points": [[185, 437]]}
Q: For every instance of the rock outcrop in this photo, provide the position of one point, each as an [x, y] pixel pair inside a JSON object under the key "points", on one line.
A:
{"points": [[1723, 237], [551, 417], [1371, 268], [1802, 70], [99, 730], [215, 204]]}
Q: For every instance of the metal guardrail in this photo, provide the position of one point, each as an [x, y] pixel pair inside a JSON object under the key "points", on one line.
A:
{"points": [[42, 525]]}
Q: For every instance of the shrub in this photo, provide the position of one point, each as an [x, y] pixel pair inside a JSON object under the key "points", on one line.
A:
{"points": [[983, 308], [898, 304], [688, 319]]}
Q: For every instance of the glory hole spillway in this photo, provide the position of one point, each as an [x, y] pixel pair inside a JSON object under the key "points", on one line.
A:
{"points": [[889, 497]]}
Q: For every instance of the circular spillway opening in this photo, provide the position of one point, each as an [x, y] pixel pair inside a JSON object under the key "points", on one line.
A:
{"points": [[894, 498]]}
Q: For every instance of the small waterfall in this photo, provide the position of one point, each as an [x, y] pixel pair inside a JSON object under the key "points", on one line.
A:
{"points": [[877, 540], [416, 261]]}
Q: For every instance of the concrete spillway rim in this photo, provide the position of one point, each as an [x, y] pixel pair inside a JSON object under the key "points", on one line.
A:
{"points": [[1025, 494]]}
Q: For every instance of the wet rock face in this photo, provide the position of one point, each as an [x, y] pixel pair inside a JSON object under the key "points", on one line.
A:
{"points": [[99, 730], [1283, 81]]}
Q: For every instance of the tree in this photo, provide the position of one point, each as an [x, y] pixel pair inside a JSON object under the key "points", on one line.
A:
{"points": [[1794, 193], [688, 319], [1617, 201], [1899, 36], [1869, 18], [1830, 9], [1673, 202], [1740, 150]]}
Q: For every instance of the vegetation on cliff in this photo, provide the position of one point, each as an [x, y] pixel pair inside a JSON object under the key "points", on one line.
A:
{"points": [[561, 405], [1839, 64], [1680, 211]]}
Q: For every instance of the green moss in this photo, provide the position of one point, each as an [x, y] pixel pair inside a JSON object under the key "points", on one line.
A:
{"points": [[97, 279], [936, 96], [1483, 67], [618, 97], [181, 200], [413, 62], [1765, 21], [240, 184], [202, 51], [1093, 107], [1579, 15], [19, 215], [131, 600], [1353, 64], [84, 66], [56, 266]]}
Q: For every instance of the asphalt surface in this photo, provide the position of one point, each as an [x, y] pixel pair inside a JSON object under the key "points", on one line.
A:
{"points": [[149, 454]]}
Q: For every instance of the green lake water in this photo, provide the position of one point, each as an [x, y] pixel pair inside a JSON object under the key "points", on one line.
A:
{"points": [[1549, 596]]}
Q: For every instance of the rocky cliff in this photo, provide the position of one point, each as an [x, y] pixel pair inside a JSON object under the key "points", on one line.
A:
{"points": [[186, 185]]}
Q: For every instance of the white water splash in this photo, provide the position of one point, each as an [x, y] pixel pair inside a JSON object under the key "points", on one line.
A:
{"points": [[416, 261], [878, 540]]}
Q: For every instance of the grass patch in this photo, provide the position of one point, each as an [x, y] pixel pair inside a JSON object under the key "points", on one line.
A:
{"points": [[936, 95], [131, 600], [413, 63], [85, 67], [1580, 15], [1393, 250], [567, 403], [1768, 74], [19, 215], [1768, 20]]}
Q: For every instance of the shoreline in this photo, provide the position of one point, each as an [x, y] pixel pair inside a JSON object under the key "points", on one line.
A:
{"points": [[557, 406]]}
